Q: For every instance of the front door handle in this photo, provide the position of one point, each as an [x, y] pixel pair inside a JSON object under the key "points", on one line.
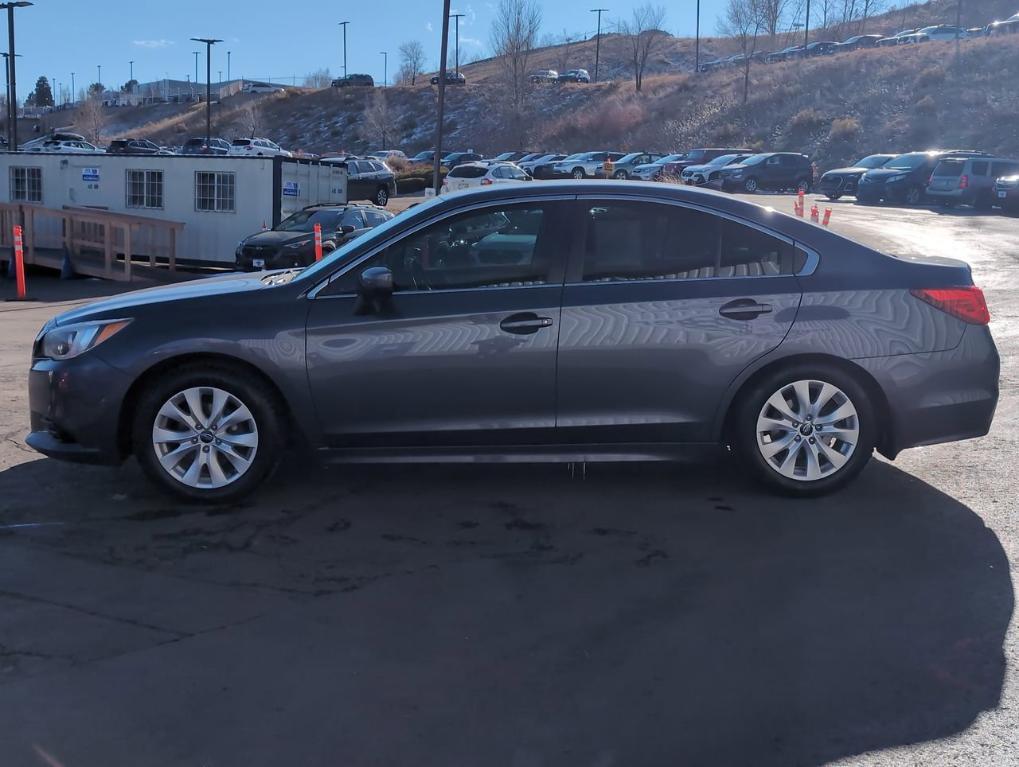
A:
{"points": [[744, 309], [525, 323]]}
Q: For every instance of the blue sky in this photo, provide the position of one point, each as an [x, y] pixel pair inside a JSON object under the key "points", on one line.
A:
{"points": [[57, 37]]}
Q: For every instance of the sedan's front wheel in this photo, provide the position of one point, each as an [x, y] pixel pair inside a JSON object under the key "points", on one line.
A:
{"points": [[578, 173], [750, 185], [207, 434], [382, 197], [807, 430]]}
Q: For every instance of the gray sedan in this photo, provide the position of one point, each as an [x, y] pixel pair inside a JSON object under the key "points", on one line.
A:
{"points": [[587, 321]]}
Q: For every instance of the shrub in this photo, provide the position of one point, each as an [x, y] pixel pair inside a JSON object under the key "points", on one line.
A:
{"points": [[844, 129], [926, 106], [411, 184], [806, 119], [930, 77]]}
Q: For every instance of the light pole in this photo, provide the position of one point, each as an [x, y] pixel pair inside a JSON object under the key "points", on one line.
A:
{"points": [[196, 66], [74, 95], [132, 72], [12, 80], [806, 29], [385, 67], [457, 17], [209, 42], [99, 73], [597, 43], [228, 66], [697, 42], [344, 25], [437, 160], [7, 80]]}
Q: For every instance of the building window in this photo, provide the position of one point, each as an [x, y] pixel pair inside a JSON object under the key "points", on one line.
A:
{"points": [[214, 191], [145, 189], [26, 184]]}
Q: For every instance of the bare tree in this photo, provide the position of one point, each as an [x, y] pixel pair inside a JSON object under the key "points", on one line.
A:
{"points": [[251, 120], [772, 12], [564, 46], [90, 118], [744, 21], [514, 33], [320, 78], [412, 61], [375, 120], [645, 35]]}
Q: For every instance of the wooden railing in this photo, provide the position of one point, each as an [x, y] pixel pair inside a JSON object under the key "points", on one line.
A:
{"points": [[100, 243]]}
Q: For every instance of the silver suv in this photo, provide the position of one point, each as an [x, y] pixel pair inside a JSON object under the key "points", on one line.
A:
{"points": [[584, 165], [968, 180]]}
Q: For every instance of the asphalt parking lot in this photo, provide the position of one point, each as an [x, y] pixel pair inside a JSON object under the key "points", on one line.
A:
{"points": [[518, 615]]}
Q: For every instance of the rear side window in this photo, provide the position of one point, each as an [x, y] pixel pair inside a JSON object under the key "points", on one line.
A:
{"points": [[979, 167], [467, 171], [952, 168], [635, 241]]}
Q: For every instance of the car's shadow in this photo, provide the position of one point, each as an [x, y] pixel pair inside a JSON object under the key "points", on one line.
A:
{"points": [[635, 615]]}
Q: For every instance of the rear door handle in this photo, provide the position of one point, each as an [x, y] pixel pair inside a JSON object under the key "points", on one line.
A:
{"points": [[744, 309], [525, 323]]}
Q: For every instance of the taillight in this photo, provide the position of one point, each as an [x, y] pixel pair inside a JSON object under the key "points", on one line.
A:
{"points": [[967, 304], [486, 181], [964, 181]]}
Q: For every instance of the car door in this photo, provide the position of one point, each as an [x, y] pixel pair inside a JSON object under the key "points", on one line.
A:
{"points": [[357, 179], [772, 171], [663, 306], [464, 353]]}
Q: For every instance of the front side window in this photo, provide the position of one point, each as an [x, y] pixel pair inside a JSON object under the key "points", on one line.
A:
{"points": [[144, 188], [639, 241], [214, 191], [497, 247], [26, 184]]}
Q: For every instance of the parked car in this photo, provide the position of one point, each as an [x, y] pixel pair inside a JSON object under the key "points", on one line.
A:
{"points": [[291, 242], [546, 159], [66, 147], [370, 179], [674, 168], [475, 174], [1006, 194], [544, 76], [821, 48], [782, 55], [257, 147], [841, 181], [253, 87], [416, 337], [894, 39], [575, 76], [388, 154], [354, 81], [530, 156], [968, 180], [510, 156], [28, 146], [903, 179], [859, 41], [653, 170], [426, 157], [453, 159], [622, 167], [708, 173], [936, 32], [1004, 27], [770, 170], [216, 146], [584, 164], [452, 78], [711, 66], [545, 168], [135, 146]]}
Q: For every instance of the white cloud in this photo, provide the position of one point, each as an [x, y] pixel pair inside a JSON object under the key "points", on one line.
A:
{"points": [[470, 41], [152, 43], [429, 27]]}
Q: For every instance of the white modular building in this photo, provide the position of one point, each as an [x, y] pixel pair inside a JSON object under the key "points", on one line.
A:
{"points": [[218, 199]]}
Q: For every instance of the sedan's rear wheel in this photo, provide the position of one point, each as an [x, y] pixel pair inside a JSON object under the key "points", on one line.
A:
{"points": [[914, 195], [806, 431], [750, 185], [620, 175], [206, 434], [578, 173], [382, 197]]}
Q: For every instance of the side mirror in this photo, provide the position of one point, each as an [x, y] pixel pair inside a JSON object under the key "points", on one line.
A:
{"points": [[346, 229], [374, 290]]}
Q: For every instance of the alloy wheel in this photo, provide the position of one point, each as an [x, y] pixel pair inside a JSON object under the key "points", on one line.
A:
{"points": [[808, 430], [913, 195], [750, 185], [578, 173], [381, 198], [205, 437]]}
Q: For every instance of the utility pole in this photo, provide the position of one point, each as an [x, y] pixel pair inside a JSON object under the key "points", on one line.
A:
{"points": [[385, 67], [806, 29], [196, 66], [457, 17], [7, 80], [697, 42], [437, 160], [228, 66], [209, 42], [12, 80], [74, 95], [99, 72], [597, 43], [132, 71], [344, 25]]}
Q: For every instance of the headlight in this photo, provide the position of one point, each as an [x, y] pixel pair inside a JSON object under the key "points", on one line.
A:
{"points": [[63, 343], [298, 245]]}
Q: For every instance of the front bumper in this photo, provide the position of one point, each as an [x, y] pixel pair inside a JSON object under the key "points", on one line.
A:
{"points": [[838, 185], [939, 396], [74, 409], [871, 192]]}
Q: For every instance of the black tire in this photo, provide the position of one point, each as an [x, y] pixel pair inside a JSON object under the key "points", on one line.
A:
{"points": [[381, 197], [578, 173], [743, 435], [833, 197], [913, 196], [984, 202], [750, 185], [258, 398], [803, 185], [620, 175]]}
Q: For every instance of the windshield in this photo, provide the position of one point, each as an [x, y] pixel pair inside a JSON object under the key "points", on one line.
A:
{"points": [[873, 161], [725, 159], [305, 221], [754, 159], [629, 157], [568, 158], [378, 234], [504, 156], [427, 155], [907, 161]]}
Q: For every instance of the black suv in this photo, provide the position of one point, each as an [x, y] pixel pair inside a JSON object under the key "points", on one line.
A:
{"points": [[292, 241], [452, 78], [134, 146], [840, 181], [370, 179], [363, 81], [771, 170], [215, 146], [453, 159], [903, 179]]}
